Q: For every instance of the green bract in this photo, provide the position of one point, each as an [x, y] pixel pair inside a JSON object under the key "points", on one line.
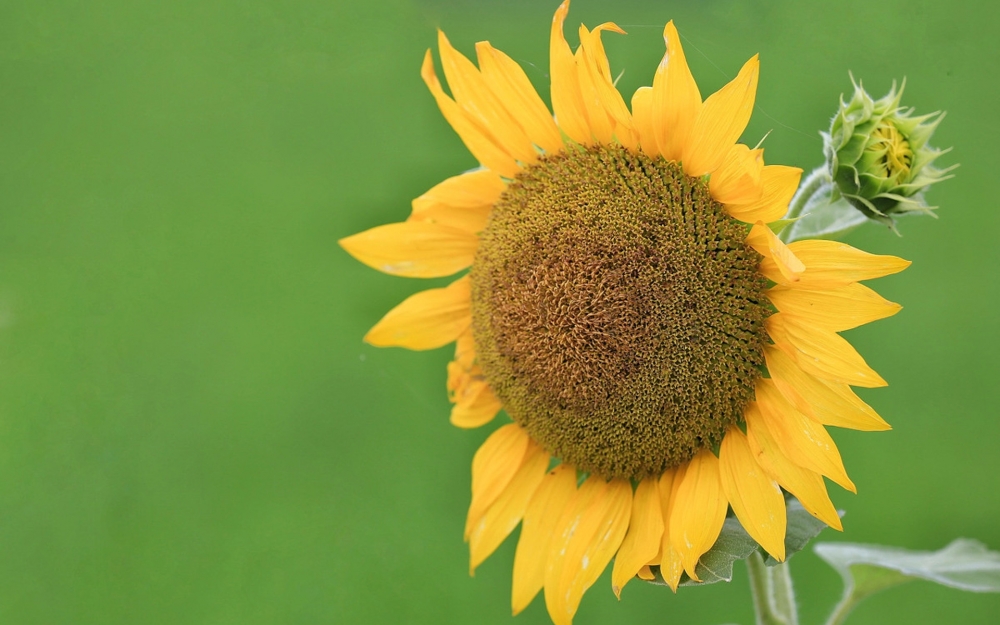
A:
{"points": [[878, 155]]}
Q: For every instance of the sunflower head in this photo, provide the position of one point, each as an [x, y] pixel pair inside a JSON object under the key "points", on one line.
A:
{"points": [[879, 155], [664, 359]]}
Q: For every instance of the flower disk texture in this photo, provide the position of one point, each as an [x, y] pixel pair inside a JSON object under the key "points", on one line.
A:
{"points": [[620, 258]]}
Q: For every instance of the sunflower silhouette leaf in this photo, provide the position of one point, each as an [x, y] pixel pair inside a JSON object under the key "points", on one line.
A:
{"points": [[825, 218], [867, 569]]}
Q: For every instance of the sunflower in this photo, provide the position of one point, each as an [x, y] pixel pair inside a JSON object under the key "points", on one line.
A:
{"points": [[662, 355]]}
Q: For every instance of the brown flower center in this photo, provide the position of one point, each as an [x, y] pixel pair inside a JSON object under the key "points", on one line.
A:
{"points": [[617, 311]]}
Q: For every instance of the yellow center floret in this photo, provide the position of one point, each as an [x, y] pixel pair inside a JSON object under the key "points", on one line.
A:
{"points": [[896, 154], [617, 311]]}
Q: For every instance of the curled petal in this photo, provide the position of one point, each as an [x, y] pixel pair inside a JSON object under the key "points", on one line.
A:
{"points": [[493, 467], [806, 485], [738, 178], [413, 249], [506, 512], [698, 510], [645, 532], [830, 264], [754, 495], [587, 537], [426, 320], [567, 100], [477, 139], [778, 185], [544, 511], [721, 121], [676, 99]]}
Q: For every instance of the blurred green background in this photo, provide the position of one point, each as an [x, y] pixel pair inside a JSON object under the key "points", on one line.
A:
{"points": [[191, 430]]}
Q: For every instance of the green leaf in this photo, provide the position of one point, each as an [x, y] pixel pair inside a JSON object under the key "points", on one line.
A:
{"points": [[867, 569], [735, 544], [825, 219]]}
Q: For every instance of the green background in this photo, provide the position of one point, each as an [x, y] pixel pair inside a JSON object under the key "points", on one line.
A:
{"points": [[191, 430]]}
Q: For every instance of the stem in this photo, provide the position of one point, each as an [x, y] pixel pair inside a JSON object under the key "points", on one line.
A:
{"points": [[773, 595], [841, 610], [814, 183]]}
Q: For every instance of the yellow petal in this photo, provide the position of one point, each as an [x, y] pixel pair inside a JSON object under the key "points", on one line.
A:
{"points": [[642, 117], [698, 510], [602, 127], [477, 139], [475, 406], [645, 573], [763, 239], [821, 352], [778, 184], [829, 403], [586, 538], [493, 467], [506, 512], [806, 485], [676, 99], [567, 101], [426, 320], [465, 349], [836, 309], [645, 532], [721, 121], [413, 249], [462, 202], [738, 178], [511, 86], [474, 95], [830, 264], [602, 99], [804, 441], [755, 497], [671, 564], [546, 507], [473, 189]]}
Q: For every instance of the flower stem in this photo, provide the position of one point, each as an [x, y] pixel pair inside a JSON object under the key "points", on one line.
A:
{"points": [[773, 595], [816, 182]]}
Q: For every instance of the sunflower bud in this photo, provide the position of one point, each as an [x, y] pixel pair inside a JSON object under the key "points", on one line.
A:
{"points": [[878, 155]]}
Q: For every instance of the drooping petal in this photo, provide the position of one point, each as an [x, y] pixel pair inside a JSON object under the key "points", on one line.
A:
{"points": [[567, 101], [602, 99], [671, 563], [721, 121], [806, 485], [506, 512], [426, 320], [586, 538], [642, 117], [738, 178], [821, 352], [836, 309], [829, 403], [676, 99], [755, 497], [804, 441], [511, 86], [477, 139], [830, 264], [546, 507], [778, 184], [645, 532], [493, 467], [475, 405], [698, 510], [462, 201], [413, 249], [763, 239], [474, 95]]}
